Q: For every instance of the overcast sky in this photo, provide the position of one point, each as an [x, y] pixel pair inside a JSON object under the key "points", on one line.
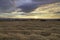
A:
{"points": [[25, 5]]}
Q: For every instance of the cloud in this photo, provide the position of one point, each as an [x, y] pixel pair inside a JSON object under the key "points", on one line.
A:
{"points": [[28, 7], [24, 5]]}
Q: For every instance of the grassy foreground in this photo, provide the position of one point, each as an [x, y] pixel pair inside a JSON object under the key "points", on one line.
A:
{"points": [[29, 30]]}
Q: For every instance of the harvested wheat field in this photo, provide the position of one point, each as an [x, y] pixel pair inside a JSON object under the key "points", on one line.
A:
{"points": [[30, 30]]}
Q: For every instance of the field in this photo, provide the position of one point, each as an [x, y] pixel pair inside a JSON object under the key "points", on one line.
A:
{"points": [[29, 30]]}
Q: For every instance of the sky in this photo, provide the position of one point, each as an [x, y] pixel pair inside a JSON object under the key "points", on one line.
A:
{"points": [[24, 6]]}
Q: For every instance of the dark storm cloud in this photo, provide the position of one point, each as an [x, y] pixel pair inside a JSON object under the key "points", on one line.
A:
{"points": [[28, 7], [24, 5]]}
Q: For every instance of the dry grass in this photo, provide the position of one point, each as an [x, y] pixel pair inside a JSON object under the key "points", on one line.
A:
{"points": [[30, 30]]}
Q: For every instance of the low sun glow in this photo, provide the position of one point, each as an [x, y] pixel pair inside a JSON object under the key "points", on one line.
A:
{"points": [[35, 17]]}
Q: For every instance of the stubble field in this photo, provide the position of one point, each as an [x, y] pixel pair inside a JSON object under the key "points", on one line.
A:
{"points": [[29, 30]]}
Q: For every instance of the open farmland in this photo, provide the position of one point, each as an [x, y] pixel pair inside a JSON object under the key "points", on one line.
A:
{"points": [[30, 30]]}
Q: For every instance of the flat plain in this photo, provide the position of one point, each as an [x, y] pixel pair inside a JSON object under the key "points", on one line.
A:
{"points": [[30, 30]]}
